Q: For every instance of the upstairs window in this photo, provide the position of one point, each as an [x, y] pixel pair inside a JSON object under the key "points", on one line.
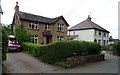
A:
{"points": [[32, 25], [104, 34], [46, 27], [35, 39], [100, 33], [60, 38], [60, 27]]}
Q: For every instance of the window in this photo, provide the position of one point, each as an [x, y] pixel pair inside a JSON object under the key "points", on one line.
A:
{"points": [[100, 33], [104, 42], [32, 25], [99, 41], [104, 34], [60, 38], [46, 27], [35, 39], [60, 27]]}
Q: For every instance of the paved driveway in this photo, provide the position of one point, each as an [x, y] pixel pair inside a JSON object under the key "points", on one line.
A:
{"points": [[110, 65], [25, 63]]}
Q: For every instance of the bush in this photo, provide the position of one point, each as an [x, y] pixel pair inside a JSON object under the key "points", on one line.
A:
{"points": [[60, 50], [116, 48], [22, 35], [31, 48], [4, 44]]}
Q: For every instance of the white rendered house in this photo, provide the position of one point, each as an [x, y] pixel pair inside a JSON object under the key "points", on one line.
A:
{"points": [[89, 31]]}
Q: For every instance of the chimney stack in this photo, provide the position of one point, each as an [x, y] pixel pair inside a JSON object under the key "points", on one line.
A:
{"points": [[16, 7], [89, 18]]}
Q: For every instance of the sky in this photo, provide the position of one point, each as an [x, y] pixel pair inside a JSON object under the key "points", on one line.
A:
{"points": [[103, 12]]}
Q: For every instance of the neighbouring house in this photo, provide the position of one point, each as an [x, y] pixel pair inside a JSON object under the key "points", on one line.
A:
{"points": [[87, 30], [112, 40], [44, 30], [1, 12]]}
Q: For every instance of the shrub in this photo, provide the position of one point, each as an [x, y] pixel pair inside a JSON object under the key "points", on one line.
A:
{"points": [[31, 48], [116, 48], [22, 35], [4, 44], [60, 50]]}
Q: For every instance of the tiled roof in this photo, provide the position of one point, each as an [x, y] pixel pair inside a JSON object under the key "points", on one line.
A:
{"points": [[37, 18], [71, 37], [87, 24]]}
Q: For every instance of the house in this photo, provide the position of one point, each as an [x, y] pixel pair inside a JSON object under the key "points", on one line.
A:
{"points": [[112, 41], [1, 12], [44, 30], [87, 30]]}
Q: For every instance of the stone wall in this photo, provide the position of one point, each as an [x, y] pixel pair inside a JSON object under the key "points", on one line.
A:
{"points": [[77, 60]]}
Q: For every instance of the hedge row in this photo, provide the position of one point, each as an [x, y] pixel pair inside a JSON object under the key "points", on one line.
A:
{"points": [[4, 45], [116, 48], [60, 50]]}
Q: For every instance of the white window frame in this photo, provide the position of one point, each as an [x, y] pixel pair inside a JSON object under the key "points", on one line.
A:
{"points": [[46, 27], [32, 25], [35, 37], [60, 27], [60, 38]]}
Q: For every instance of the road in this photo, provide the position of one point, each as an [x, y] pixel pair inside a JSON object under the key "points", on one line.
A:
{"points": [[109, 65], [25, 63]]}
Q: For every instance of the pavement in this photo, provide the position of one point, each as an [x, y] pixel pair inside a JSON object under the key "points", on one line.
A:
{"points": [[25, 63]]}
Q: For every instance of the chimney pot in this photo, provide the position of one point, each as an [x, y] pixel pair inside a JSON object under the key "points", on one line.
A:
{"points": [[89, 18], [16, 7]]}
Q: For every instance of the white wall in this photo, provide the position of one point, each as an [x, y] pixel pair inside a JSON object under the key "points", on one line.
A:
{"points": [[84, 35], [89, 35]]}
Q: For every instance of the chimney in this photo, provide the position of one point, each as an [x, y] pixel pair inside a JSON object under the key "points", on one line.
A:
{"points": [[89, 18], [16, 7]]}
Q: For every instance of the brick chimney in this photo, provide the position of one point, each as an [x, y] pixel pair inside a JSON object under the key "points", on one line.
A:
{"points": [[16, 7], [89, 18]]}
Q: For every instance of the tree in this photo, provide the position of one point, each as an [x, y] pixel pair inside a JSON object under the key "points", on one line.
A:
{"points": [[22, 35], [4, 44], [7, 29]]}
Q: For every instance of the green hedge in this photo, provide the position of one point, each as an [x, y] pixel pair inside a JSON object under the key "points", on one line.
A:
{"points": [[116, 48], [60, 50], [4, 45]]}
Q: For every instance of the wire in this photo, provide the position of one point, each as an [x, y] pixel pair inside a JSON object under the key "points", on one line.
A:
{"points": [[75, 8]]}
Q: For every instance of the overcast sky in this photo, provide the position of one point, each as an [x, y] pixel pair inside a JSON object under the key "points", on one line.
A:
{"points": [[103, 12]]}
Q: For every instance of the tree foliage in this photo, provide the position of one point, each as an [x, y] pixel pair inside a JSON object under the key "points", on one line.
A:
{"points": [[4, 44], [22, 35]]}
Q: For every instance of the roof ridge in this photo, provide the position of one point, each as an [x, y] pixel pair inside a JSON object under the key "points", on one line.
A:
{"points": [[33, 14]]}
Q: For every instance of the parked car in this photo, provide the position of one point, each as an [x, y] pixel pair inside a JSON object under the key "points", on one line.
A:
{"points": [[13, 44]]}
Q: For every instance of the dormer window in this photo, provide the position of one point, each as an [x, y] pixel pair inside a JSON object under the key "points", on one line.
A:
{"points": [[32, 25], [46, 27], [60, 27]]}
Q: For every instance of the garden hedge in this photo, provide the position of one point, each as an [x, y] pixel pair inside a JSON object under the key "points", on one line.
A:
{"points": [[4, 45], [116, 48], [60, 50]]}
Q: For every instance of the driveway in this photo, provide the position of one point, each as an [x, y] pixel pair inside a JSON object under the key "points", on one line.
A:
{"points": [[110, 65], [25, 63]]}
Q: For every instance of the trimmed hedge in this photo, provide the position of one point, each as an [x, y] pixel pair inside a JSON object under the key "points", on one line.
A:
{"points": [[60, 50], [116, 48]]}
